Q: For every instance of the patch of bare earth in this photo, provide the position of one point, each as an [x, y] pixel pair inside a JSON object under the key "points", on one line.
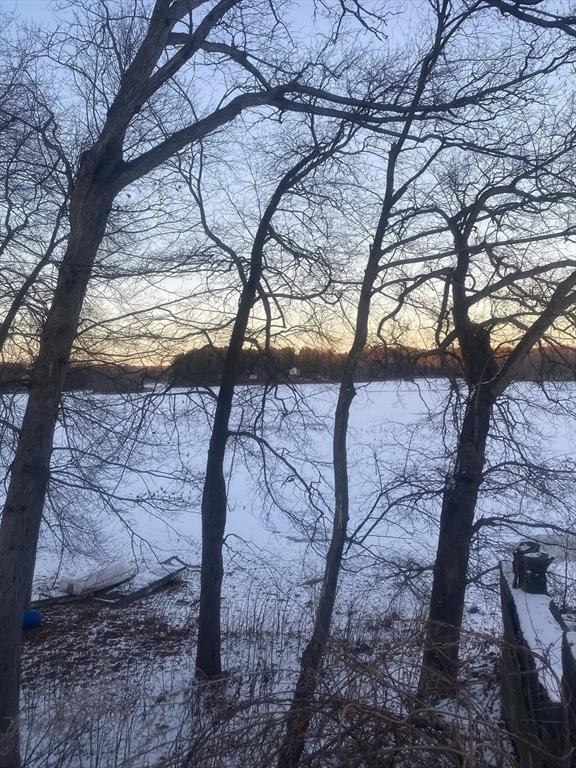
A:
{"points": [[86, 639]]}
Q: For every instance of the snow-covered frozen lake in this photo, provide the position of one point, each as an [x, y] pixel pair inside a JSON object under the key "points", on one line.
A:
{"points": [[128, 473], [127, 482], [143, 490]]}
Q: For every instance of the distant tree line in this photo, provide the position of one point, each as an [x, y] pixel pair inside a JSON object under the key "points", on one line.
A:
{"points": [[202, 366], [379, 362], [106, 378]]}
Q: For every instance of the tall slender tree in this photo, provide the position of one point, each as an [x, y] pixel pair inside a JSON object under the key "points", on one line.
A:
{"points": [[214, 497], [420, 78]]}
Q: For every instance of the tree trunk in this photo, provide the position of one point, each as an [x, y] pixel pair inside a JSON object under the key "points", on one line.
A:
{"points": [[441, 647], [214, 507], [214, 496], [30, 471], [300, 712]]}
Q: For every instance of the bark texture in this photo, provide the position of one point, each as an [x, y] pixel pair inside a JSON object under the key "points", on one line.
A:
{"points": [[22, 514], [440, 661]]}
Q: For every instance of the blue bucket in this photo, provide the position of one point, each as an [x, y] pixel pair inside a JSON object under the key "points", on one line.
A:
{"points": [[32, 619]]}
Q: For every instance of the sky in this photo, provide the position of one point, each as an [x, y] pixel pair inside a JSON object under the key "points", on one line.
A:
{"points": [[33, 10], [42, 12]]}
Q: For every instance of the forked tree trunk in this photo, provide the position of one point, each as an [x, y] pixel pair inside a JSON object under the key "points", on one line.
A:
{"points": [[214, 496], [487, 382], [30, 471], [442, 643]]}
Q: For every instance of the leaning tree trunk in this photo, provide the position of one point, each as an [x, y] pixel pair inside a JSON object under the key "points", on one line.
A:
{"points": [[22, 514], [300, 713], [441, 647]]}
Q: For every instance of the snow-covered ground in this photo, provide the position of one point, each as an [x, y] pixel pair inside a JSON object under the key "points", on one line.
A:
{"points": [[127, 481]]}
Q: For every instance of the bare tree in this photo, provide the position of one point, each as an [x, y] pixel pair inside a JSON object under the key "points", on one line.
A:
{"points": [[528, 297], [133, 64], [420, 78], [214, 498], [380, 278]]}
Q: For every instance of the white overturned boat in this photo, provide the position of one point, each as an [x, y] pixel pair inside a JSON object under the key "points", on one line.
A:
{"points": [[151, 577], [105, 584], [104, 578]]}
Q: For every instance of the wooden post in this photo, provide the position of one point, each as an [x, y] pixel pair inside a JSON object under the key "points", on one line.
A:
{"points": [[530, 567]]}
